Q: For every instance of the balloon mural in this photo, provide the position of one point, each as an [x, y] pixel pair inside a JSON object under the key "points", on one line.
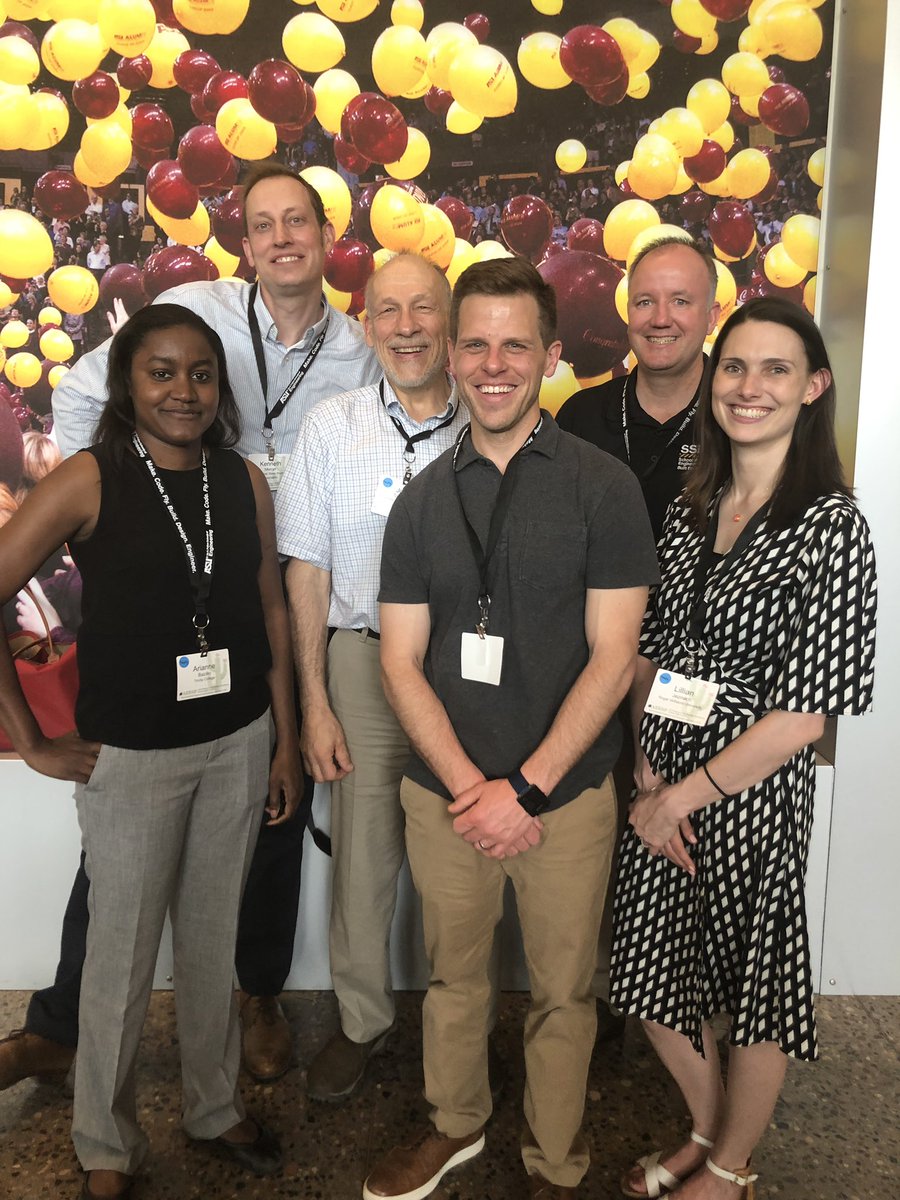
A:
{"points": [[155, 93]]}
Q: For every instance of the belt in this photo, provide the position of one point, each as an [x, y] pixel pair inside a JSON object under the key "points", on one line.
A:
{"points": [[365, 631]]}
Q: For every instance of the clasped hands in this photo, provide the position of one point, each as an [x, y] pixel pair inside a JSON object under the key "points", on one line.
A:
{"points": [[653, 817], [490, 818]]}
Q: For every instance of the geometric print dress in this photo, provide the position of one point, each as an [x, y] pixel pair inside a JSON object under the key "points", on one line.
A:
{"points": [[789, 624]]}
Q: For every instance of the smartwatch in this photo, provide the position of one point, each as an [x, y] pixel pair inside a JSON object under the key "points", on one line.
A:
{"points": [[528, 794]]}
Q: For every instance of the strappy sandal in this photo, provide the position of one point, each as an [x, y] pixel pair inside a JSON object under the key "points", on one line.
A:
{"points": [[741, 1178], [657, 1178]]}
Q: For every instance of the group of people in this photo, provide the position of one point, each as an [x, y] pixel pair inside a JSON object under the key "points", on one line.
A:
{"points": [[473, 592]]}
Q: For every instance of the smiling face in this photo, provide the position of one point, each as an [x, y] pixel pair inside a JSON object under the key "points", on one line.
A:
{"points": [[284, 243], [670, 312], [407, 317], [761, 382], [174, 386]]}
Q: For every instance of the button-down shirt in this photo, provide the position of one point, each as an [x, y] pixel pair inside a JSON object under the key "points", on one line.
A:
{"points": [[344, 360], [323, 511]]}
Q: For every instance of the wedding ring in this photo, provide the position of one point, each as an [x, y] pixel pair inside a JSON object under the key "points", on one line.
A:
{"points": [[481, 845]]}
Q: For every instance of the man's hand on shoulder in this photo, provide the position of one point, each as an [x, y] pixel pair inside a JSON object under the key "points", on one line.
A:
{"points": [[490, 818], [323, 746]]}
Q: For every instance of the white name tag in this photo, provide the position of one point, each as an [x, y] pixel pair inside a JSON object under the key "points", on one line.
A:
{"points": [[481, 658], [682, 699], [198, 675], [272, 468], [389, 488]]}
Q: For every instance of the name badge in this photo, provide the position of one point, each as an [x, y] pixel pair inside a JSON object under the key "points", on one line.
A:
{"points": [[272, 468], [198, 675], [481, 658], [682, 699], [389, 488]]}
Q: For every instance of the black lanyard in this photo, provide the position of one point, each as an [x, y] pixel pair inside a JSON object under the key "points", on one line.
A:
{"points": [[281, 403], [648, 471], [411, 439], [483, 555], [201, 581]]}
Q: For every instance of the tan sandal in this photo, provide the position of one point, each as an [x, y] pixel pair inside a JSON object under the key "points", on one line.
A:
{"points": [[657, 1179], [741, 1178]]}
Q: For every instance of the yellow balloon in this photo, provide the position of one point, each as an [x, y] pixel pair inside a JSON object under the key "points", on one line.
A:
{"points": [[654, 233], [14, 102], [73, 289], [463, 256], [396, 218], [571, 155], [638, 85], [438, 242], [14, 334], [710, 101], [56, 345], [692, 18], [751, 41], [800, 237], [127, 25], [815, 168], [106, 149], [334, 90], [335, 195], [23, 10], [483, 81], [683, 129], [490, 249], [165, 47], [243, 131], [188, 231], [2, 356], [49, 316], [460, 120], [538, 59], [46, 121], [7, 295], [683, 182], [809, 294], [745, 74], [55, 374], [121, 117], [726, 291], [381, 256], [654, 167], [444, 43], [623, 225], [708, 43], [621, 171], [414, 159], [747, 173], [547, 8], [72, 49], [717, 187], [23, 370], [313, 43], [750, 105], [25, 246], [557, 388], [399, 59], [347, 10], [84, 174], [781, 269], [211, 16], [339, 300], [19, 62], [621, 298], [418, 90], [640, 49], [647, 52], [793, 31], [225, 262], [724, 135], [820, 198], [727, 258], [58, 10], [408, 12]]}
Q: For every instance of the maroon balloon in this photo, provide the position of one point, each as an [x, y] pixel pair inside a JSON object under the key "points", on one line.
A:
{"points": [[289, 134], [148, 158], [122, 282], [202, 157], [766, 287], [134, 73], [60, 194], [362, 205], [478, 24], [165, 13], [551, 250], [14, 285], [784, 109], [228, 221], [684, 43], [275, 88], [461, 216], [49, 91], [172, 193], [96, 96], [590, 55], [296, 119], [351, 160], [739, 116], [726, 10], [776, 75], [526, 224], [375, 127], [731, 228], [17, 29], [586, 234], [111, 190], [151, 126], [611, 92], [707, 164], [348, 265], [223, 86], [357, 303], [593, 335], [224, 183], [694, 207], [172, 265], [193, 69], [201, 110], [769, 191], [626, 190], [438, 101]]}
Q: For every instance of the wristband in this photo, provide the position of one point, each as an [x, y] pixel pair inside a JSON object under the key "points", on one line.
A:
{"points": [[723, 794], [528, 794]]}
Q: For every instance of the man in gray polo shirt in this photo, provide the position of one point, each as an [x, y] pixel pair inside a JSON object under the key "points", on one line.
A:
{"points": [[514, 580]]}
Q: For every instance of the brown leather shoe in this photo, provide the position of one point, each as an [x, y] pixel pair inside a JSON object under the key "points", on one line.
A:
{"points": [[87, 1194], [543, 1189], [413, 1172], [25, 1055], [340, 1065], [265, 1038]]}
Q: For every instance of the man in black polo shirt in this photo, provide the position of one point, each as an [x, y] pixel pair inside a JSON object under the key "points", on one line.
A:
{"points": [[514, 578], [647, 419]]}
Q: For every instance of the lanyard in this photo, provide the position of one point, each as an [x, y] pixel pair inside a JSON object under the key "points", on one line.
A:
{"points": [[648, 471], [484, 555], [201, 582], [281, 403], [411, 439]]}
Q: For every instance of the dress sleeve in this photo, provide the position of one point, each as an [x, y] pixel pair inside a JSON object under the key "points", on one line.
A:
{"points": [[828, 665], [651, 641]]}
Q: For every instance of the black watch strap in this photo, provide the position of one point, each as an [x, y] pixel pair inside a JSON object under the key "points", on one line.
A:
{"points": [[528, 794]]}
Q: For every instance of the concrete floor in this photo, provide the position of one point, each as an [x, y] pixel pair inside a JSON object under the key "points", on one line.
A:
{"points": [[835, 1135]]}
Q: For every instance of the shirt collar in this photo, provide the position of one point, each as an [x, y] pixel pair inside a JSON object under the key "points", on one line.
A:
{"points": [[637, 415], [545, 442], [396, 409], [270, 332]]}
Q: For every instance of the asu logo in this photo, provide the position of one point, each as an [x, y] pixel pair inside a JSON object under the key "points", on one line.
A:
{"points": [[687, 456]]}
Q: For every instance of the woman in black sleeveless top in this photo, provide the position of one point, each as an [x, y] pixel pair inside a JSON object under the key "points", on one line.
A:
{"points": [[184, 662]]}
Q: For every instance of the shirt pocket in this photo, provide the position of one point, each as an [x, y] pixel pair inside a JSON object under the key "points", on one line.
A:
{"points": [[552, 555]]}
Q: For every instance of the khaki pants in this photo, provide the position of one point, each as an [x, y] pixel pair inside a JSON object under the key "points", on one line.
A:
{"points": [[560, 887]]}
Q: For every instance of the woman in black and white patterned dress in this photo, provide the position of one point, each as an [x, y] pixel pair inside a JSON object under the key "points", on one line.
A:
{"points": [[768, 591]]}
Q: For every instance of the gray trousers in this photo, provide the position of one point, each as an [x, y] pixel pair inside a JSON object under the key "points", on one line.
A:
{"points": [[164, 830]]}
